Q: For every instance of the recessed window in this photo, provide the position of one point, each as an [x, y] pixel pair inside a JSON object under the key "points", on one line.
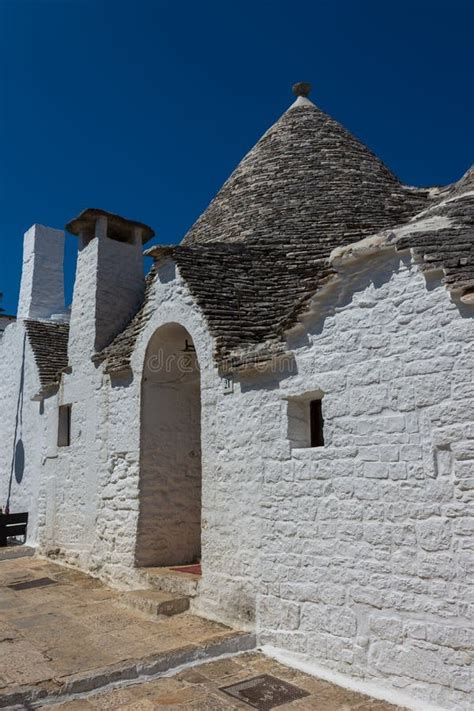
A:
{"points": [[64, 425], [305, 422]]}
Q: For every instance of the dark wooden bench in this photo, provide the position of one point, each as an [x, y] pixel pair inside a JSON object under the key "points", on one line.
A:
{"points": [[12, 525]]}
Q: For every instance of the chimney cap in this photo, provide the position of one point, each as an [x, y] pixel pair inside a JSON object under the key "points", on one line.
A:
{"points": [[120, 227]]}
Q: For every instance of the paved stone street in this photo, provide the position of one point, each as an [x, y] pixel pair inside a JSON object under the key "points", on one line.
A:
{"points": [[199, 689], [74, 636]]}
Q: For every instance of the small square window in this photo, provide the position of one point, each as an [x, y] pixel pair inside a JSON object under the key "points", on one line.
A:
{"points": [[305, 422], [64, 425]]}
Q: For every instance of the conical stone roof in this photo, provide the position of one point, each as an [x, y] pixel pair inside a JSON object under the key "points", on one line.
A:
{"points": [[262, 249], [307, 179]]}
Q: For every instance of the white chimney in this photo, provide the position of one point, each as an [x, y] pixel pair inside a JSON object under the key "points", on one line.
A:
{"points": [[109, 283], [42, 277]]}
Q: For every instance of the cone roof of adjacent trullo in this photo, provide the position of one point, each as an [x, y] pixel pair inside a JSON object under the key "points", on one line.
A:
{"points": [[307, 179]]}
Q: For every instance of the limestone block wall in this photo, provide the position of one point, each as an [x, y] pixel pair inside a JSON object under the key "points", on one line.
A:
{"points": [[69, 474], [114, 555], [23, 420], [231, 440], [357, 555], [367, 544], [236, 432], [77, 476], [21, 423]]}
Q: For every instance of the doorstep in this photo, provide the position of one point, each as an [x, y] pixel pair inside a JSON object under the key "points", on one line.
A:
{"points": [[169, 580]]}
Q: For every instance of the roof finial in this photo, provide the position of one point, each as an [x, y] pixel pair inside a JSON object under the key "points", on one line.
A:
{"points": [[302, 88]]}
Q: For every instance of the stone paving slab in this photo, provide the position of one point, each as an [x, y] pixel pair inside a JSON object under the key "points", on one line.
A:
{"points": [[70, 639], [199, 689], [76, 635]]}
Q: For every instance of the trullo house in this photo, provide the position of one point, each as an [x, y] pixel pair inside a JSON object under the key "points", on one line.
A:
{"points": [[286, 398]]}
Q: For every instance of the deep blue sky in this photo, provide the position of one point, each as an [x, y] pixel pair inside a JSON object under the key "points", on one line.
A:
{"points": [[144, 108]]}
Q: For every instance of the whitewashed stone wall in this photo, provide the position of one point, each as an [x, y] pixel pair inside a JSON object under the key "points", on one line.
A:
{"points": [[21, 423], [91, 488], [24, 423], [367, 544], [74, 478], [357, 555], [69, 477], [114, 553]]}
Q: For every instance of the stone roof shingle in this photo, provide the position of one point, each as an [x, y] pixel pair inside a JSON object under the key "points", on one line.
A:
{"points": [[443, 234], [48, 341]]}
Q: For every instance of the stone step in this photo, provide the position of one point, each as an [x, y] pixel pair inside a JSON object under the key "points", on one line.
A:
{"points": [[155, 602], [171, 581], [158, 663], [12, 552]]}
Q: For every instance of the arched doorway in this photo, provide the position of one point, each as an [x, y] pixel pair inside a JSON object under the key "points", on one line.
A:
{"points": [[169, 523]]}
